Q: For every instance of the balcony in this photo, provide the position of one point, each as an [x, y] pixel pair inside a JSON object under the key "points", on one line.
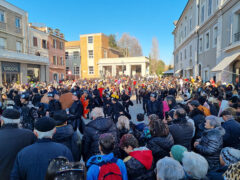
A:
{"points": [[22, 57], [237, 37], [3, 26]]}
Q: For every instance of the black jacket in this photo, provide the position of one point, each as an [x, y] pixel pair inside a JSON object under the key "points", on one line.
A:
{"points": [[182, 133], [155, 107], [116, 109], [12, 141], [210, 146], [76, 111], [91, 135], [66, 135], [54, 105], [199, 119], [160, 146]]}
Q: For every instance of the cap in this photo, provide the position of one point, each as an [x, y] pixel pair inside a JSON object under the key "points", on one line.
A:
{"points": [[45, 124]]}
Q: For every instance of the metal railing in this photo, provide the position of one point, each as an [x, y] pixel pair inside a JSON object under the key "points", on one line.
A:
{"points": [[237, 37]]}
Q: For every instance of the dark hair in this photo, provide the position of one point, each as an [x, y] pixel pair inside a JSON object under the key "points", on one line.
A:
{"points": [[153, 117], [140, 117], [181, 116], [107, 143], [128, 140], [158, 128]]}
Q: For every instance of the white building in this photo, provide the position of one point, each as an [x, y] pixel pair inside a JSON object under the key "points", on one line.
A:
{"points": [[207, 33]]}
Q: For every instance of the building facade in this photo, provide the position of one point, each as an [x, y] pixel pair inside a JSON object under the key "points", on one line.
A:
{"points": [[15, 58], [203, 35], [73, 59], [94, 47]]}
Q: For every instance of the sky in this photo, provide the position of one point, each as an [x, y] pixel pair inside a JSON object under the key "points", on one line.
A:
{"points": [[143, 19]]}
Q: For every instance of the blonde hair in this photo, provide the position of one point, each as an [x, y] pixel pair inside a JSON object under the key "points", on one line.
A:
{"points": [[123, 122]]}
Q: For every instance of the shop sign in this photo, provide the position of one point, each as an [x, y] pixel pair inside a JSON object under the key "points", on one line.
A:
{"points": [[10, 67]]}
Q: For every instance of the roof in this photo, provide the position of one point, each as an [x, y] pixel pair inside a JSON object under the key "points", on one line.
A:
{"points": [[182, 13]]}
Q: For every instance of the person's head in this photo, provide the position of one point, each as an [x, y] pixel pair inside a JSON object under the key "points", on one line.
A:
{"points": [[229, 156], [123, 122], [24, 98], [106, 143], [170, 100], [60, 117], [180, 114], [177, 152], [153, 117], [45, 127], [128, 142], [193, 105], [153, 97], [226, 115], [10, 116], [158, 128], [97, 112], [212, 122], [168, 169], [140, 117], [76, 95], [50, 96], [195, 165]]}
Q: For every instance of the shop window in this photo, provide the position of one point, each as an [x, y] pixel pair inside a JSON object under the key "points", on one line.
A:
{"points": [[33, 73]]}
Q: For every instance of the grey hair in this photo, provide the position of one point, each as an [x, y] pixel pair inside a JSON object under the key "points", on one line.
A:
{"points": [[195, 165], [97, 112], [123, 122], [169, 169], [213, 121], [10, 121], [48, 134]]}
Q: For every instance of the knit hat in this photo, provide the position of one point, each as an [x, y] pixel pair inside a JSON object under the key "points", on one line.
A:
{"points": [[233, 172], [195, 103], [11, 115], [177, 152], [60, 117], [230, 155], [45, 124]]}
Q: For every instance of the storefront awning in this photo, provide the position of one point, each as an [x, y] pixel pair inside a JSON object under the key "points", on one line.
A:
{"points": [[178, 71], [225, 62]]}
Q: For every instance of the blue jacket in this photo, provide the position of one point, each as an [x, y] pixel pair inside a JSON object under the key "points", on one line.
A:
{"points": [[32, 162], [93, 162], [232, 134]]}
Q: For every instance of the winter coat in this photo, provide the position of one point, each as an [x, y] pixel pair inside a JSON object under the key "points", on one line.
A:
{"points": [[210, 146], [36, 99], [32, 161], [232, 134], [182, 133], [12, 141], [160, 146], [139, 164], [94, 164], [54, 105], [76, 111], [155, 107], [28, 116], [199, 119], [116, 109], [91, 135], [66, 135], [217, 174]]}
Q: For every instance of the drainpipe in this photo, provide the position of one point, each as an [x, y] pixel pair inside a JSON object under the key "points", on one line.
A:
{"points": [[198, 7]]}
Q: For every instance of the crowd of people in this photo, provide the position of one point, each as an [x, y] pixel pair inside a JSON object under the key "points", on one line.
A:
{"points": [[84, 129]]}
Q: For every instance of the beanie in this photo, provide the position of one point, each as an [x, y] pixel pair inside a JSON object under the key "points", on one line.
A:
{"points": [[177, 152], [230, 155], [45, 124]]}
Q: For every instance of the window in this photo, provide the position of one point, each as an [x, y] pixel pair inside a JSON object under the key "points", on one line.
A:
{"points": [[19, 46], [44, 44], [18, 22], [61, 45], [215, 35], [209, 7], [190, 51], [54, 43], [2, 19], [185, 31], [200, 44], [90, 39], [180, 56], [90, 70], [75, 54], [190, 24], [66, 55], [2, 43], [185, 53], [67, 69], [176, 58], [76, 70], [90, 54], [105, 53], [202, 13], [54, 60], [207, 41], [35, 42], [61, 61]]}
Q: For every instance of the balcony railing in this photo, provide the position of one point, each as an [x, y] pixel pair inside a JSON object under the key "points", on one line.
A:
{"points": [[237, 37], [3, 26]]}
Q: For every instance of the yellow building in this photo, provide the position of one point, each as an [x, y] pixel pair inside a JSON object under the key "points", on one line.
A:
{"points": [[94, 47]]}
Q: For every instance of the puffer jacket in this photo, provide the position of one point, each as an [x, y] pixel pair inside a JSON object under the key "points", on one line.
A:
{"points": [[160, 146], [199, 119], [91, 135], [210, 146], [139, 164], [66, 135]]}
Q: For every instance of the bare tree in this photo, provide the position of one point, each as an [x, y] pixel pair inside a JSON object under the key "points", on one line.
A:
{"points": [[155, 49], [130, 45]]}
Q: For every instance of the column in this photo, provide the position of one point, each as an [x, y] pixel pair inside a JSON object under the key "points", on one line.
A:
{"points": [[128, 70], [143, 69], [0, 73], [114, 69], [23, 73]]}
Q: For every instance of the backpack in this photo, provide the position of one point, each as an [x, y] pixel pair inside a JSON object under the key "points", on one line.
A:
{"points": [[110, 171]]}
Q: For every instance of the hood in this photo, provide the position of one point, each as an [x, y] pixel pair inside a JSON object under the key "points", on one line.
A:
{"points": [[163, 142], [63, 132], [140, 126], [144, 156], [100, 159], [216, 131], [101, 124]]}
